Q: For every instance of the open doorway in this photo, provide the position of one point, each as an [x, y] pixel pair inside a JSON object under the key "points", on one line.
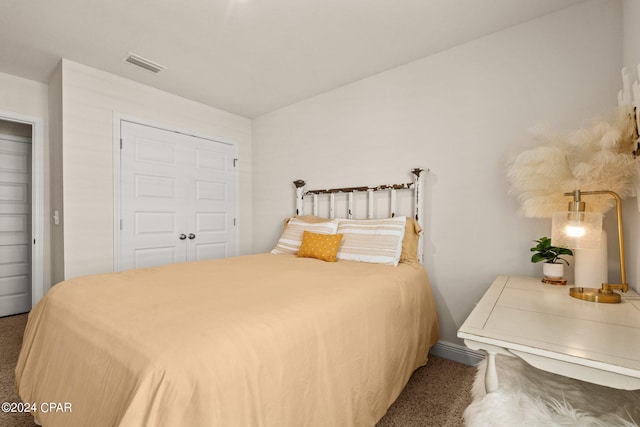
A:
{"points": [[20, 217]]}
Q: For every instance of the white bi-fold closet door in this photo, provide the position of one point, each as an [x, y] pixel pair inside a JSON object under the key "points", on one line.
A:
{"points": [[178, 197], [15, 225]]}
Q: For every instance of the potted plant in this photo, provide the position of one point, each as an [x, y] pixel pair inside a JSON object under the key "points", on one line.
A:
{"points": [[551, 256]]}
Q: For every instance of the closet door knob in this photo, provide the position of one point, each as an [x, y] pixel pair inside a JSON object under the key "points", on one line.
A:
{"points": [[192, 236], [182, 236]]}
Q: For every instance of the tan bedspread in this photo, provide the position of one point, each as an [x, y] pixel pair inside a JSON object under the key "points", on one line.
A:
{"points": [[260, 340]]}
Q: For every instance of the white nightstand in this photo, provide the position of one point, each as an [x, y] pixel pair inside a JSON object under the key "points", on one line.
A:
{"points": [[543, 325]]}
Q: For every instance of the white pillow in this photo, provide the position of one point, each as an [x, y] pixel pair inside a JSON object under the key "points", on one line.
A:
{"points": [[372, 240], [291, 237]]}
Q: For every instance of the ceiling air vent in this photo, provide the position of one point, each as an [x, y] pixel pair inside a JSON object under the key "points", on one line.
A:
{"points": [[144, 63]]}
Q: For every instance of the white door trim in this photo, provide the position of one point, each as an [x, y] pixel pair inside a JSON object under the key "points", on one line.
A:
{"points": [[117, 122], [37, 200]]}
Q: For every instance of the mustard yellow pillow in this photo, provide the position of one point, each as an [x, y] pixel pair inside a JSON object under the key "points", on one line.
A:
{"points": [[410, 241], [320, 246]]}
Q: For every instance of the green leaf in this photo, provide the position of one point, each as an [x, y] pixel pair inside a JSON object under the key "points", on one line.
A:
{"points": [[548, 253], [538, 258]]}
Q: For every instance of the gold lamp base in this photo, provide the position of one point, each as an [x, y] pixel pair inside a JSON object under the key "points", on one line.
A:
{"points": [[595, 295]]}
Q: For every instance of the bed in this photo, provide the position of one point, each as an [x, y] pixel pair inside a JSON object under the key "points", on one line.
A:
{"points": [[258, 340]]}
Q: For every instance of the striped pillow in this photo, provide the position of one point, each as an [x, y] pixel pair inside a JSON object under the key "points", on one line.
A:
{"points": [[372, 240], [291, 237]]}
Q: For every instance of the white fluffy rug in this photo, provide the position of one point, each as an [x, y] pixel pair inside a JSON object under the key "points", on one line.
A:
{"points": [[528, 396]]}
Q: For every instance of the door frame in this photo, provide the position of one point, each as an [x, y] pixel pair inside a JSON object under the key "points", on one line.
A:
{"points": [[118, 118], [37, 199]]}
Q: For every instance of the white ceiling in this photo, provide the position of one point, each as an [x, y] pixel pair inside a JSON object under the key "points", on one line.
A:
{"points": [[247, 57]]}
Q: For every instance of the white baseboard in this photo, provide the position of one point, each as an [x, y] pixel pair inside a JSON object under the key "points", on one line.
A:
{"points": [[457, 353]]}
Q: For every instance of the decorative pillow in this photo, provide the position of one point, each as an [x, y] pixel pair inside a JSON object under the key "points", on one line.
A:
{"points": [[291, 237], [410, 241], [372, 240], [320, 246]]}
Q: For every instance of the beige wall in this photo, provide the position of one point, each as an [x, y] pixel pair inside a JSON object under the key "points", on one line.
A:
{"points": [[461, 113], [23, 96], [29, 98], [90, 98]]}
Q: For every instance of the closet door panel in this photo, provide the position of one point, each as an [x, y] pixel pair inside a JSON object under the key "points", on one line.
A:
{"points": [[214, 202], [15, 225], [153, 185], [178, 197]]}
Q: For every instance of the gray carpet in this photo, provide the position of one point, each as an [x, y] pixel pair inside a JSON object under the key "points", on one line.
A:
{"points": [[11, 329], [436, 396]]}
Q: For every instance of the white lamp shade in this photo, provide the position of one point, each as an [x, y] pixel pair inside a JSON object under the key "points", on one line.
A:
{"points": [[576, 230], [590, 266]]}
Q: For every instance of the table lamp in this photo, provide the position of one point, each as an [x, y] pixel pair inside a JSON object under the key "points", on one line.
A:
{"points": [[578, 229]]}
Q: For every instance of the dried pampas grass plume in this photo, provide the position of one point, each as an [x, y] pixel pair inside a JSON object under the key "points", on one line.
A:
{"points": [[598, 158]]}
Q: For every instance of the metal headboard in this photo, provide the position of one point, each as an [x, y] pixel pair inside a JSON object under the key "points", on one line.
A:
{"points": [[416, 186]]}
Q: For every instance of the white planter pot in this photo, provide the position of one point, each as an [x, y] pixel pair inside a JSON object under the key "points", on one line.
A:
{"points": [[553, 271]]}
